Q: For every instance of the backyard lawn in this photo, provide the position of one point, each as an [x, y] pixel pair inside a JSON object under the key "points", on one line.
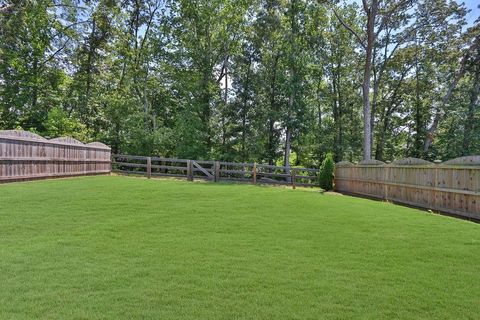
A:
{"points": [[124, 247]]}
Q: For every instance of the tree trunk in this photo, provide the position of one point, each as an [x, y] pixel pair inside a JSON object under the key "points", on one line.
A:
{"points": [[288, 136], [246, 85], [273, 107], [337, 147], [288, 132], [271, 138], [225, 102], [205, 98], [367, 137], [385, 117], [439, 111], [318, 135], [419, 122], [379, 152], [89, 73], [35, 84], [472, 107]]}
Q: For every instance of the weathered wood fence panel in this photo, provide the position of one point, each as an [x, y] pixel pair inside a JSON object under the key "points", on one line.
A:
{"points": [[26, 156], [214, 170], [452, 186]]}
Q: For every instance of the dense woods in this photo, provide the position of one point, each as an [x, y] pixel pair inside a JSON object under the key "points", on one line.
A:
{"points": [[275, 81]]}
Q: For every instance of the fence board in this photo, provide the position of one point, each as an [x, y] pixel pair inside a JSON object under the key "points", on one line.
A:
{"points": [[26, 156], [451, 187], [235, 171], [214, 170], [208, 173]]}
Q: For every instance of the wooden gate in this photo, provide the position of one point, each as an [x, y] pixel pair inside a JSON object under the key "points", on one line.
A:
{"points": [[215, 170], [206, 169]]}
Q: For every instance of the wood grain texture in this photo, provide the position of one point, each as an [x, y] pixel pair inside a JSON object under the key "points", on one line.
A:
{"points": [[214, 170], [27, 156], [451, 187]]}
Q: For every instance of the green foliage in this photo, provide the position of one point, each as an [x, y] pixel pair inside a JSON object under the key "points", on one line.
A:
{"points": [[327, 172], [233, 80], [59, 124], [293, 160]]}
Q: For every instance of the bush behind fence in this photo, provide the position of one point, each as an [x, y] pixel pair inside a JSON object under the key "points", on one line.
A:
{"points": [[452, 186], [214, 170]]}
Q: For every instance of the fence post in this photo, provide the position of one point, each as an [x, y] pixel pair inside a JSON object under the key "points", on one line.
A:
{"points": [[217, 171], [435, 182], [293, 178], [189, 170], [385, 180], [85, 152], [149, 167], [254, 173]]}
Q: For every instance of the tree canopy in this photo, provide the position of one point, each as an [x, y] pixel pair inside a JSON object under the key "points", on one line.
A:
{"points": [[277, 81]]}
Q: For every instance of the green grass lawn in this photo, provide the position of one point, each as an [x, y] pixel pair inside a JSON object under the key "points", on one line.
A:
{"points": [[132, 248]]}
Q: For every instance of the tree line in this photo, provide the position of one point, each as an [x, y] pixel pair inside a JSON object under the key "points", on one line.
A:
{"points": [[275, 81]]}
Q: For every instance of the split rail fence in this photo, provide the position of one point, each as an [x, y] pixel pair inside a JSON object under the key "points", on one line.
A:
{"points": [[451, 187], [27, 156], [214, 170]]}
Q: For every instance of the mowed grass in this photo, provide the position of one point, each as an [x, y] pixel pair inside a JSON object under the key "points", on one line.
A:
{"points": [[131, 248]]}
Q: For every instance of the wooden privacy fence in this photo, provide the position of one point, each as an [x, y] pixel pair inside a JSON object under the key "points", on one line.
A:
{"points": [[452, 186], [25, 156], [214, 170]]}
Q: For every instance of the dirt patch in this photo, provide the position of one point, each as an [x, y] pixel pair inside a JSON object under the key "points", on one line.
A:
{"points": [[333, 193]]}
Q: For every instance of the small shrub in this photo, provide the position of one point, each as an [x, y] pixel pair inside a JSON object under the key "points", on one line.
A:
{"points": [[327, 173]]}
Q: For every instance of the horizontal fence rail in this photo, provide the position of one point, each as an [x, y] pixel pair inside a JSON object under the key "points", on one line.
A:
{"points": [[451, 187], [27, 156], [214, 170]]}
